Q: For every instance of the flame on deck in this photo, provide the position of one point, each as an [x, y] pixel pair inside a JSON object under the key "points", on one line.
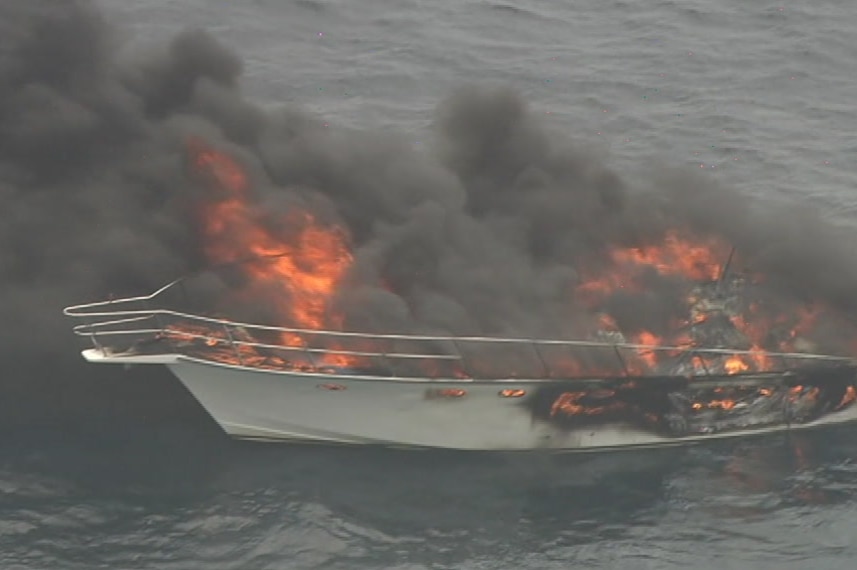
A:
{"points": [[677, 254], [718, 315], [302, 268], [313, 258]]}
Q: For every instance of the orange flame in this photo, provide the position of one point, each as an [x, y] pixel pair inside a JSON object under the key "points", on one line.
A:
{"points": [[849, 396], [306, 268], [734, 365], [696, 260], [725, 404], [676, 255], [306, 263], [568, 403], [649, 357]]}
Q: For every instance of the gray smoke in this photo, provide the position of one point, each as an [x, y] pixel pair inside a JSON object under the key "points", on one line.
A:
{"points": [[484, 234]]}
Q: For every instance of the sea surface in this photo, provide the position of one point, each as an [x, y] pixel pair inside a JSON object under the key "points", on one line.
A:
{"points": [[759, 95]]}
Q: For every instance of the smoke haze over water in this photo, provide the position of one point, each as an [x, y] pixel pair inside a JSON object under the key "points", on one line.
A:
{"points": [[484, 233]]}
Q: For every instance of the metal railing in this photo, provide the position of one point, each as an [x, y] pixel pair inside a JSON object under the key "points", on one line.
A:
{"points": [[135, 325]]}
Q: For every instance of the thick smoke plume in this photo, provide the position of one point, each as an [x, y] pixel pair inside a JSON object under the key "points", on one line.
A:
{"points": [[485, 234]]}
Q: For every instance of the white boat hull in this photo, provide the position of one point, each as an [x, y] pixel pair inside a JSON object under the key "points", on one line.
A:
{"points": [[310, 407]]}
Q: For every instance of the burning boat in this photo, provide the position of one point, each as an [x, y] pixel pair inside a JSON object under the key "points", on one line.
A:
{"points": [[476, 393], [729, 361]]}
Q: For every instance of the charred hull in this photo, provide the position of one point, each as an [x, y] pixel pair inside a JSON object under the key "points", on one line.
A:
{"points": [[679, 407]]}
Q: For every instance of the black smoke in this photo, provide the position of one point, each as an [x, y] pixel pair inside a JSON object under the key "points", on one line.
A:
{"points": [[484, 234]]}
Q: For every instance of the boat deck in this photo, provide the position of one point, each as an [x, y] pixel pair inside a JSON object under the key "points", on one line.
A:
{"points": [[151, 325]]}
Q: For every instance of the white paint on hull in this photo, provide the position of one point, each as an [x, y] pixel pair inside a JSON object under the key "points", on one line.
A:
{"points": [[286, 406], [272, 405]]}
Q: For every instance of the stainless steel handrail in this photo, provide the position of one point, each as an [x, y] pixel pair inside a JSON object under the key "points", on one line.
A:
{"points": [[87, 328], [110, 318]]}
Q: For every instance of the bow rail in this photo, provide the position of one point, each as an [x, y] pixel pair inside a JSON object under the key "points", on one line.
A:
{"points": [[151, 324]]}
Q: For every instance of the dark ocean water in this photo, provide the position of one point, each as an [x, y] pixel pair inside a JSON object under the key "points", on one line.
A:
{"points": [[170, 498], [757, 94]]}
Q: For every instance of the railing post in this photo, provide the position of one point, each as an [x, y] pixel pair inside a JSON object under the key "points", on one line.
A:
{"points": [[545, 367], [94, 337], [157, 316], [309, 353], [232, 344], [621, 360], [159, 321], [461, 358], [389, 363], [701, 361]]}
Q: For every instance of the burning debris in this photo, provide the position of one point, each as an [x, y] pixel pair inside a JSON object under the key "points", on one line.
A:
{"points": [[681, 407]]}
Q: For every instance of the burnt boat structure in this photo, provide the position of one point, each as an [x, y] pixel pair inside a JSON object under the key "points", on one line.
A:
{"points": [[273, 383]]}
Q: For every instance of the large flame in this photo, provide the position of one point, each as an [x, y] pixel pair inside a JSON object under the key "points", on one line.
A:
{"points": [[693, 261], [310, 260], [676, 254], [299, 273]]}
